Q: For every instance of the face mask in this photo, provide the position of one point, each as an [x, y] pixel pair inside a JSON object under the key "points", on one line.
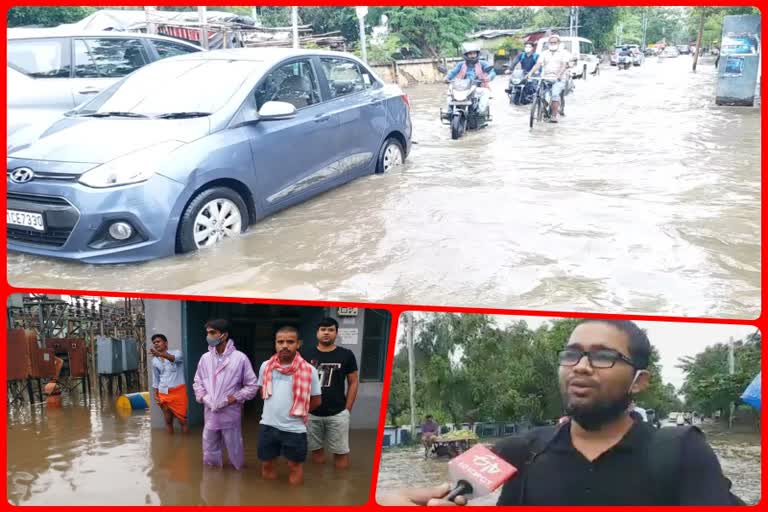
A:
{"points": [[529, 50], [554, 47], [212, 342]]}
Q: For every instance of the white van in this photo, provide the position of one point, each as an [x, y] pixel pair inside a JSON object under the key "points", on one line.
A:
{"points": [[581, 49]]}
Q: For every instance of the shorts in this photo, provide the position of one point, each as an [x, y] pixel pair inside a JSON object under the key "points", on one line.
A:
{"points": [[558, 86], [274, 442], [329, 431]]}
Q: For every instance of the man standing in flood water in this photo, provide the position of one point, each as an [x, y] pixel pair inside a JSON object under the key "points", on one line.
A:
{"points": [[337, 370], [290, 388], [223, 382], [168, 383]]}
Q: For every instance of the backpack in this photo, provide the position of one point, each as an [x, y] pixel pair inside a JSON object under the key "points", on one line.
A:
{"points": [[534, 57], [665, 456]]}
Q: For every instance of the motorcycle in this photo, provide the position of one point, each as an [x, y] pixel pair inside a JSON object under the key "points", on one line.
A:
{"points": [[625, 62], [521, 90], [462, 112]]}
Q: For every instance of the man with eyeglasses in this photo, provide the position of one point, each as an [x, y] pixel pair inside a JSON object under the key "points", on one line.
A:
{"points": [[602, 455]]}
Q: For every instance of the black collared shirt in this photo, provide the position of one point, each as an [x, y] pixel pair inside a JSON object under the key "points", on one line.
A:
{"points": [[561, 475]]}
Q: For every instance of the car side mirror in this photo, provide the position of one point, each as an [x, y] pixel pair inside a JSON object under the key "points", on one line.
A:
{"points": [[442, 69], [274, 110]]}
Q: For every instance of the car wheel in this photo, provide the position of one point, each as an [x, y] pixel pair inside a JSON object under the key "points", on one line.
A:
{"points": [[391, 155], [212, 216]]}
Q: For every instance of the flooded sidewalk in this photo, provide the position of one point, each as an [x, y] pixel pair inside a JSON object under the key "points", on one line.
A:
{"points": [[95, 455], [644, 199]]}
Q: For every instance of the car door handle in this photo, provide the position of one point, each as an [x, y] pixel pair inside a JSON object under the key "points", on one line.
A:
{"points": [[89, 90], [322, 118]]}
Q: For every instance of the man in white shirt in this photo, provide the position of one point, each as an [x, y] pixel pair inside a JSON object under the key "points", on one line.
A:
{"points": [[290, 388], [168, 383], [554, 65]]}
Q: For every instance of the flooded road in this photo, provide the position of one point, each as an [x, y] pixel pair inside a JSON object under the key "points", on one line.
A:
{"points": [[739, 457], [644, 199], [93, 455]]}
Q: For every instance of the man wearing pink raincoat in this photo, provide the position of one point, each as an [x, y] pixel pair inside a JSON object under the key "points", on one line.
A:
{"points": [[223, 382]]}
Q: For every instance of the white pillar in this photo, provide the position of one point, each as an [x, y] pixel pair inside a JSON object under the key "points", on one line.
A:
{"points": [[295, 25]]}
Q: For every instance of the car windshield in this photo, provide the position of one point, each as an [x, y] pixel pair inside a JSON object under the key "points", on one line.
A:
{"points": [[174, 87]]}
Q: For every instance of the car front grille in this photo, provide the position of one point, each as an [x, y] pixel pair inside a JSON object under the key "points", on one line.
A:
{"points": [[59, 214], [35, 199], [51, 237]]}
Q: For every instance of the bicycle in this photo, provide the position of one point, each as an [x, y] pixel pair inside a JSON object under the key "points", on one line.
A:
{"points": [[541, 107]]}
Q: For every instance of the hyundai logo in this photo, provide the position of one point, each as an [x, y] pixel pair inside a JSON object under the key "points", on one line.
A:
{"points": [[22, 175]]}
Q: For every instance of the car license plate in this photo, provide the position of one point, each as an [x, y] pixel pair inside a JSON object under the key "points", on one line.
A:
{"points": [[26, 219]]}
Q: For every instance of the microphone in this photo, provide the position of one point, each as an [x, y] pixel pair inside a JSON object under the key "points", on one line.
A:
{"points": [[478, 472]]}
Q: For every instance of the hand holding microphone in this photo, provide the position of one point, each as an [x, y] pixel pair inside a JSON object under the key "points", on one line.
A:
{"points": [[478, 472]]}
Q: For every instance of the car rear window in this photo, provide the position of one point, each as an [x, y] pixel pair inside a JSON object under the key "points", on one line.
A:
{"points": [[40, 58]]}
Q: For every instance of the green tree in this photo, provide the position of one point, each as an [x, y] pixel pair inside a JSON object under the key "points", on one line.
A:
{"points": [[275, 16], [597, 24], [709, 386], [436, 31], [392, 48], [46, 16], [398, 402], [331, 19], [551, 17], [509, 18]]}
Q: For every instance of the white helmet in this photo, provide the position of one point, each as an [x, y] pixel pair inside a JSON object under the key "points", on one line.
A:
{"points": [[470, 48]]}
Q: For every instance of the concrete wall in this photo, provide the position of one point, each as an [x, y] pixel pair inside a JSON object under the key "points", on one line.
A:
{"points": [[162, 316], [412, 72]]}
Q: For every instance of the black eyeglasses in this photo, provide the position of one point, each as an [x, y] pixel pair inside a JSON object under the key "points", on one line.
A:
{"points": [[603, 358]]}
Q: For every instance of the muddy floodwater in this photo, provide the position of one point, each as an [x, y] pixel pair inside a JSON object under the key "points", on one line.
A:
{"points": [[93, 455], [644, 199], [739, 457]]}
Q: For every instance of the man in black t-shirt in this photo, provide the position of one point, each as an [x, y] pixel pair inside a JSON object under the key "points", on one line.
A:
{"points": [[603, 454], [337, 368]]}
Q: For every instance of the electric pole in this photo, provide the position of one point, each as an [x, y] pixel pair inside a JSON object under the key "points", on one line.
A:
{"points": [[411, 370]]}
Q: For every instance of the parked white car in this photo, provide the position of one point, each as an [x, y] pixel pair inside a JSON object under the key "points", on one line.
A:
{"points": [[51, 71], [582, 50]]}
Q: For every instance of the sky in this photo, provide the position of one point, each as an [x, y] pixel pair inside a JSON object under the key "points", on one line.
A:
{"points": [[673, 340]]}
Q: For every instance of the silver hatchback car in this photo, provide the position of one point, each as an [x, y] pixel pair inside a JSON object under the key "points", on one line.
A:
{"points": [[51, 71]]}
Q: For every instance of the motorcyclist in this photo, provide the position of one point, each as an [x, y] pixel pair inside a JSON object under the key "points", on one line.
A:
{"points": [[554, 65], [473, 68], [527, 59]]}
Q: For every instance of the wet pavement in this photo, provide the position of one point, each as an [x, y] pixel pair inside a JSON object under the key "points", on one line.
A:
{"points": [[644, 199], [739, 457], [95, 455]]}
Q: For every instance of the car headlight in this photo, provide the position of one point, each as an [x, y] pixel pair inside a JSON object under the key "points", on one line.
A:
{"points": [[132, 168]]}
